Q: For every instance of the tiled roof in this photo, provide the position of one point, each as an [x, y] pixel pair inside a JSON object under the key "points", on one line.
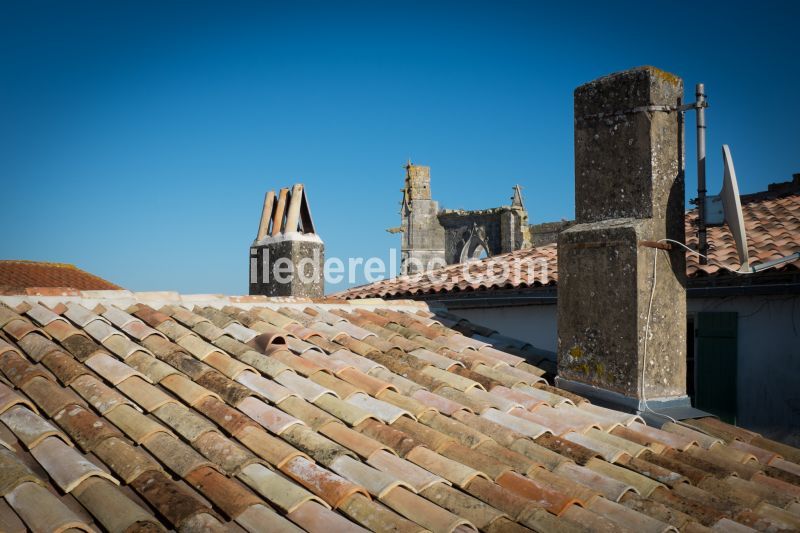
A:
{"points": [[123, 411], [773, 231], [33, 277]]}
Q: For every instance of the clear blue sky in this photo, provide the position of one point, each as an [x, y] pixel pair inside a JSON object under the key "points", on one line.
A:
{"points": [[137, 138]]}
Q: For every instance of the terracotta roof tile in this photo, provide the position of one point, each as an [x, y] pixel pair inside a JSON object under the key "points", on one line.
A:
{"points": [[400, 442], [38, 346], [376, 517], [449, 469], [378, 483], [225, 416], [275, 451], [167, 497], [134, 424], [227, 494], [91, 389], [422, 422], [9, 521], [309, 413], [349, 413], [14, 472], [19, 370], [65, 367], [278, 490], [84, 427], [49, 397], [21, 277], [183, 421], [314, 517], [260, 516], [112, 508], [416, 478], [359, 443], [67, 467], [186, 389], [126, 461], [320, 448], [41, 510], [422, 511]]}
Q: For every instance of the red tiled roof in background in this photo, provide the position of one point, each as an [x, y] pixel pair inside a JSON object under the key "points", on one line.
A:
{"points": [[20, 277], [773, 231], [122, 411]]}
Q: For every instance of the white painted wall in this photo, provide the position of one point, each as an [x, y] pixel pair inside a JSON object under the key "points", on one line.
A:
{"points": [[768, 352], [535, 324]]}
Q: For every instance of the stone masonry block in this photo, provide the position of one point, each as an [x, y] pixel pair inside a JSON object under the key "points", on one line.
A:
{"points": [[627, 159], [602, 316], [305, 258]]}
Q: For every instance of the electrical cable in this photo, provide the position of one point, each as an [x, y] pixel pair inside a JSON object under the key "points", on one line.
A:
{"points": [[650, 313], [647, 336], [695, 252]]}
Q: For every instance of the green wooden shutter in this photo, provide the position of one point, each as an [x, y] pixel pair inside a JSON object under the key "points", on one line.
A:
{"points": [[715, 363]]}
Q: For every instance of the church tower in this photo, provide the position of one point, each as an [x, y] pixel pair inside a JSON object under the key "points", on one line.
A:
{"points": [[423, 235]]}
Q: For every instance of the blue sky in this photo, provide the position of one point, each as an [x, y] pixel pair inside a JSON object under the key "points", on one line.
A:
{"points": [[138, 138]]}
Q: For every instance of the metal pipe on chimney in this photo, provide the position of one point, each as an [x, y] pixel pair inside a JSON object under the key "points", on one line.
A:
{"points": [[293, 214], [266, 215], [277, 221], [701, 172]]}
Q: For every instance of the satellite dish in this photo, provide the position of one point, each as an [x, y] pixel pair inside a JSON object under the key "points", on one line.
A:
{"points": [[732, 208], [727, 208]]}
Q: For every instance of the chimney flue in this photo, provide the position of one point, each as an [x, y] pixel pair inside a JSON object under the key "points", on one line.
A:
{"points": [[287, 257]]}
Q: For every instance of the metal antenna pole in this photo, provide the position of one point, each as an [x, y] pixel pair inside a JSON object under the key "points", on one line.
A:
{"points": [[701, 171]]}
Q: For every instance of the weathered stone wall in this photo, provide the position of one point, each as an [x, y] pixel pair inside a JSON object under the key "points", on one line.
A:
{"points": [[306, 258], [547, 232], [628, 188], [461, 227], [498, 230]]}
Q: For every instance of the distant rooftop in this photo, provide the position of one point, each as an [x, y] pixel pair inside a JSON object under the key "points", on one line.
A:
{"points": [[31, 277], [771, 218]]}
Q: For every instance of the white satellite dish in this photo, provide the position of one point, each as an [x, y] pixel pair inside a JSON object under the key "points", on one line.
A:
{"points": [[732, 207]]}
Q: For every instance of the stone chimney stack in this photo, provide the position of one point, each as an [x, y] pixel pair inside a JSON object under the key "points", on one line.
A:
{"points": [[287, 257], [629, 188]]}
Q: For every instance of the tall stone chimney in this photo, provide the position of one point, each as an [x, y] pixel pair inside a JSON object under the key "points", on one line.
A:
{"points": [[629, 188], [287, 257]]}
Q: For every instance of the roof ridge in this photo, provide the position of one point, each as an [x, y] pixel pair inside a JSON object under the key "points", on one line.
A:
{"points": [[42, 263]]}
